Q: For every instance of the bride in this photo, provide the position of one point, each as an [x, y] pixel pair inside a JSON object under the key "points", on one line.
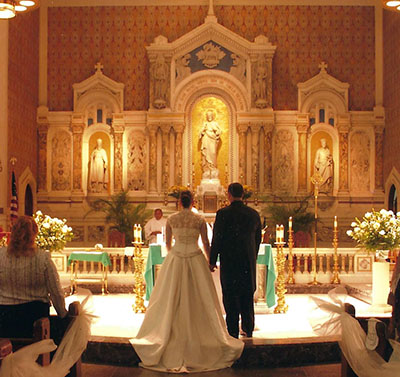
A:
{"points": [[183, 329]]}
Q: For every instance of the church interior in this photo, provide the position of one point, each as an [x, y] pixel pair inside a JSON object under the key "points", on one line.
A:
{"points": [[130, 102]]}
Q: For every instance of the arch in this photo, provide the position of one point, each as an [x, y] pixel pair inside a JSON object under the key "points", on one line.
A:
{"points": [[213, 82], [326, 95], [393, 180], [94, 96], [26, 179], [28, 210], [392, 204]]}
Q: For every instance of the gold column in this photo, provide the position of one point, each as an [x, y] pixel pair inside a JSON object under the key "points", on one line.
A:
{"points": [[118, 153], [42, 176], [139, 289], [335, 277], [268, 158], [343, 158], [77, 131], [255, 155], [178, 153], [165, 128], [302, 126], [153, 158], [242, 129], [379, 157], [281, 306]]}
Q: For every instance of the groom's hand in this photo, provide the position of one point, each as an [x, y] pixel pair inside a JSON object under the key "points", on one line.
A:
{"points": [[213, 267]]}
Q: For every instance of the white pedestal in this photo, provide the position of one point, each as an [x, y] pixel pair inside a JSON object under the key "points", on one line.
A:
{"points": [[380, 287], [210, 185]]}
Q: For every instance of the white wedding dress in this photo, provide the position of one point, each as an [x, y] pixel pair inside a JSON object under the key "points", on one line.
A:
{"points": [[183, 329]]}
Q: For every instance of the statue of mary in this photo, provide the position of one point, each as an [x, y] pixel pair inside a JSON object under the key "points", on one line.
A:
{"points": [[210, 137]]}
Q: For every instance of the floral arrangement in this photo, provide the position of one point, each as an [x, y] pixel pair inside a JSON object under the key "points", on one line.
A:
{"points": [[377, 231], [3, 241], [175, 191], [248, 192], [53, 233]]}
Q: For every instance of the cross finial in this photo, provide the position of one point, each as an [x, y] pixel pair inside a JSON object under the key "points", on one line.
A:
{"points": [[323, 66], [211, 8], [99, 67]]}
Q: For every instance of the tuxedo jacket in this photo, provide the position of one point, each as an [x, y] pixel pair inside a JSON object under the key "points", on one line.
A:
{"points": [[236, 239]]}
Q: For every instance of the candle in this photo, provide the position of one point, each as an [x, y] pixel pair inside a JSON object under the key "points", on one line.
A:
{"points": [[139, 230], [282, 232], [290, 223], [277, 233], [335, 223], [135, 233]]}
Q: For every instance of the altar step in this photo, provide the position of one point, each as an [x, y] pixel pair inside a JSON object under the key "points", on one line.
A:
{"points": [[258, 353]]}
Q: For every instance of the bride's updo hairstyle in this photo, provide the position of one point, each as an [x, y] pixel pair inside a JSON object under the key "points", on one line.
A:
{"points": [[186, 199]]}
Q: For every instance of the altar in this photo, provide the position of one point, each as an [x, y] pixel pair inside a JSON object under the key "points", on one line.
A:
{"points": [[265, 273]]}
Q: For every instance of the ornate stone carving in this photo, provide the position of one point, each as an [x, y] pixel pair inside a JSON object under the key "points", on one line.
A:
{"points": [[160, 82], [61, 161], [137, 161], [255, 152], [77, 157], [284, 157], [96, 233], [42, 177], [302, 164], [238, 68], [153, 158], [260, 83], [79, 233], [182, 67], [343, 161], [210, 55], [165, 128], [178, 153], [118, 161], [268, 158], [359, 161]]}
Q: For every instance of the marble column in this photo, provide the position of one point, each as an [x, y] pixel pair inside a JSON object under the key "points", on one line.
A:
{"points": [[42, 168], [4, 173], [255, 155], [242, 130], [379, 158], [179, 128], [118, 153], [302, 126], [344, 158], [165, 129], [268, 158], [153, 158], [77, 131]]}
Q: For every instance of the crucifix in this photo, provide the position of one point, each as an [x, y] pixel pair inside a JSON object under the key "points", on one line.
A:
{"points": [[323, 66], [99, 67]]}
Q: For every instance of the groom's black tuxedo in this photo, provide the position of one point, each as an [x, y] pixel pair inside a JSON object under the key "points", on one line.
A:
{"points": [[236, 239]]}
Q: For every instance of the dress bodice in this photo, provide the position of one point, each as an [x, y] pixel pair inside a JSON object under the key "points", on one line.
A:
{"points": [[185, 227]]}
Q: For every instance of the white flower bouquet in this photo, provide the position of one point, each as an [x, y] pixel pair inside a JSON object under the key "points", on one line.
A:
{"points": [[53, 233], [377, 231]]}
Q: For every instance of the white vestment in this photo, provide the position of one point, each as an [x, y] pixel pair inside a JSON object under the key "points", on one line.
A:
{"points": [[154, 225]]}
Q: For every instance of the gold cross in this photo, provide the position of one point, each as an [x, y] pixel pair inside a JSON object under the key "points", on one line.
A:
{"points": [[323, 66], [98, 67]]}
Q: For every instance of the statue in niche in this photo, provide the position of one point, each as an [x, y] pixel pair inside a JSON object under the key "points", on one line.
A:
{"points": [[182, 67], [98, 168], [260, 83], [210, 137], [160, 77], [238, 68], [323, 164]]}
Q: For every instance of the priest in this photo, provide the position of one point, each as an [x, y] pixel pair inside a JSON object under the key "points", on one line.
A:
{"points": [[155, 226]]}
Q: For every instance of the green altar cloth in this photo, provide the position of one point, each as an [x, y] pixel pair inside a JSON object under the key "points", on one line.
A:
{"points": [[266, 259], [90, 256], [153, 258]]}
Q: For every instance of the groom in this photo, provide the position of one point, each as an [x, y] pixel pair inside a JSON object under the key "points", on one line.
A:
{"points": [[236, 239]]}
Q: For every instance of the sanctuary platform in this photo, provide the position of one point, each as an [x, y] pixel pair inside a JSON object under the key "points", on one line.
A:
{"points": [[279, 340]]}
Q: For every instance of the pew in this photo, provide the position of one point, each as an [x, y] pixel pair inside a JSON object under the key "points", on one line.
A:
{"points": [[41, 330]]}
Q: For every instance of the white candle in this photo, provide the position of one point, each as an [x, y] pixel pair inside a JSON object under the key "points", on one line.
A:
{"points": [[139, 233], [335, 223], [277, 233], [282, 233], [135, 233], [290, 223]]}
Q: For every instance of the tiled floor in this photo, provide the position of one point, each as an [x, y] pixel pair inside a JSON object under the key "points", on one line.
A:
{"points": [[328, 370]]}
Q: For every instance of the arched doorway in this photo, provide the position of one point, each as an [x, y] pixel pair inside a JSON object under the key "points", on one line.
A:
{"points": [[393, 199], [28, 210]]}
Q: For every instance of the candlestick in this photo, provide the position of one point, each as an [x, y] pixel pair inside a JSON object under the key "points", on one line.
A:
{"points": [[290, 223], [335, 276], [335, 223], [281, 306], [290, 278]]}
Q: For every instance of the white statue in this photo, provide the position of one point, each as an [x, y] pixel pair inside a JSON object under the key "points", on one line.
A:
{"points": [[98, 168], [260, 83], [160, 77], [182, 67], [238, 68], [323, 164], [210, 136]]}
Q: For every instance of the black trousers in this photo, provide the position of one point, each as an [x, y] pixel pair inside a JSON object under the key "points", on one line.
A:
{"points": [[16, 321], [239, 303]]}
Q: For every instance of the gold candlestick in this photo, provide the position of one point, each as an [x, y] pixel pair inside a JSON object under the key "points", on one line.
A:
{"points": [[139, 289], [316, 180], [290, 279], [335, 276], [281, 306]]}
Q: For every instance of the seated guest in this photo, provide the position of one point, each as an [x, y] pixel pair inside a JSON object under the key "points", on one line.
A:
{"points": [[155, 226], [28, 281]]}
